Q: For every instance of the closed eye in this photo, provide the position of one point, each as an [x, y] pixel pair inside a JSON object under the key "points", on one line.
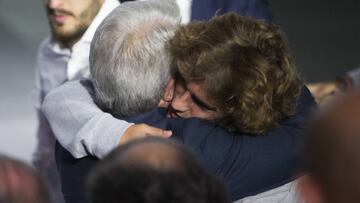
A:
{"points": [[201, 104]]}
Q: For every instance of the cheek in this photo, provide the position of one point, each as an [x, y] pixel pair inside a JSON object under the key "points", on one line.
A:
{"points": [[81, 8], [77, 6], [80, 19], [197, 112]]}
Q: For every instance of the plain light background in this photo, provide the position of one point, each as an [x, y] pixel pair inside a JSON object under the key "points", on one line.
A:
{"points": [[324, 37], [22, 27]]}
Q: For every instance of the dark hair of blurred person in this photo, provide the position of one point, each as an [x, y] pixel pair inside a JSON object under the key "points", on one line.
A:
{"points": [[241, 67], [153, 170], [332, 153], [19, 183]]}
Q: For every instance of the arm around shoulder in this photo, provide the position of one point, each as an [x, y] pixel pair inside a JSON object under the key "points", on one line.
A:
{"points": [[79, 125]]}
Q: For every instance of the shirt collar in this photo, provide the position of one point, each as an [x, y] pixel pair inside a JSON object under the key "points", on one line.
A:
{"points": [[106, 8]]}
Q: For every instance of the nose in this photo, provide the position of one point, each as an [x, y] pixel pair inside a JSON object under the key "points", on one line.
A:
{"points": [[181, 101], [54, 4]]}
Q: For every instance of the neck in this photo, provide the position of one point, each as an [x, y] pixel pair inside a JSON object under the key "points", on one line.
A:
{"points": [[70, 43]]}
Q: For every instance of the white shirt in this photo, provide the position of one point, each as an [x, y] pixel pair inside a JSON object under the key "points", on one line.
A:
{"points": [[185, 10]]}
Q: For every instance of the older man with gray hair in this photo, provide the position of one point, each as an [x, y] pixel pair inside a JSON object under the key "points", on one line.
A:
{"points": [[130, 69], [128, 59]]}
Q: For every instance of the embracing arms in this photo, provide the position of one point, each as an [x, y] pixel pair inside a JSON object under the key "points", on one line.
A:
{"points": [[84, 129]]}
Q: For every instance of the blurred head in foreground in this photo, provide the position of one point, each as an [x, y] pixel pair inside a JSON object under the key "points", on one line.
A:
{"points": [[332, 153], [19, 183], [153, 170]]}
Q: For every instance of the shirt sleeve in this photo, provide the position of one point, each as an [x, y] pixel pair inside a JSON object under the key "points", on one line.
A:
{"points": [[36, 93], [78, 123], [43, 157]]}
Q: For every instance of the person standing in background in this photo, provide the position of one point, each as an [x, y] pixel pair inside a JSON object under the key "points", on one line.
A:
{"points": [[63, 56]]}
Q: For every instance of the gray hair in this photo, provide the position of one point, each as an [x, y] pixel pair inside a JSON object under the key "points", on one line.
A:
{"points": [[129, 62]]}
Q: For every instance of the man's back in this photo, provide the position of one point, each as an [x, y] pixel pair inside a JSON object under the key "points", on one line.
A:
{"points": [[248, 164]]}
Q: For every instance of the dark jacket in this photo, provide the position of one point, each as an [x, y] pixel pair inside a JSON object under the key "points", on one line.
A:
{"points": [[249, 164], [206, 9]]}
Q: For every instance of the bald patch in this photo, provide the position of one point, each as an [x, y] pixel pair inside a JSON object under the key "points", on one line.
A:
{"points": [[153, 154]]}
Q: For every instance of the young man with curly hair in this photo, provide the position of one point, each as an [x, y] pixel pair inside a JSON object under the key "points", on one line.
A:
{"points": [[237, 71]]}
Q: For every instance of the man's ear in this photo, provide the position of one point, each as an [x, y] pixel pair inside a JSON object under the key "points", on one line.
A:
{"points": [[168, 94], [169, 90], [309, 190]]}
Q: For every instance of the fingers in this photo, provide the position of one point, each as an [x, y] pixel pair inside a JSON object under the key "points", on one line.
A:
{"points": [[323, 90], [157, 132], [141, 131]]}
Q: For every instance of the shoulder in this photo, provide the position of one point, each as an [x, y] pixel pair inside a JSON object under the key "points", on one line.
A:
{"points": [[76, 91]]}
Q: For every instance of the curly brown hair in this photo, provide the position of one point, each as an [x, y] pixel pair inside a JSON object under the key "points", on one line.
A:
{"points": [[244, 68]]}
